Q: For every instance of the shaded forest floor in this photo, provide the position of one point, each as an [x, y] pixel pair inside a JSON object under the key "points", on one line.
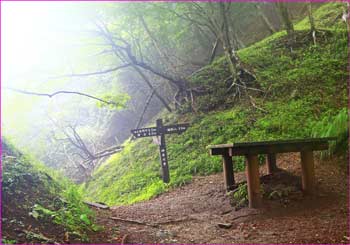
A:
{"points": [[192, 213]]}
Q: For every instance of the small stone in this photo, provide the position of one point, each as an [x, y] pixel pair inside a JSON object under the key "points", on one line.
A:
{"points": [[225, 225], [226, 211], [163, 234]]}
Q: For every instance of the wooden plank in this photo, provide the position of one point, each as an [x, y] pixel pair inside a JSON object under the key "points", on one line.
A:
{"points": [[277, 142], [228, 172], [273, 142], [164, 161], [286, 147], [219, 149], [266, 147], [145, 132], [271, 163], [178, 128], [308, 171], [220, 146], [253, 181], [162, 153]]}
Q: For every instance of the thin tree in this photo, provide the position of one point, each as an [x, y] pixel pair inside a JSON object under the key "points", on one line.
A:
{"points": [[312, 22], [265, 19], [217, 19], [286, 20]]}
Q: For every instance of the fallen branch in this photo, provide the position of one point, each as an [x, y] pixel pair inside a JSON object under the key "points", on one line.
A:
{"points": [[244, 86], [40, 237], [255, 106], [96, 205]]}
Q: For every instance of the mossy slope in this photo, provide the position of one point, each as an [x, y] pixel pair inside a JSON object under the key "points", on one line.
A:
{"points": [[38, 206], [304, 86]]}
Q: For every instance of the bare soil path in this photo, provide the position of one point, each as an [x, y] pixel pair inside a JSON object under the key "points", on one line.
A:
{"points": [[192, 213]]}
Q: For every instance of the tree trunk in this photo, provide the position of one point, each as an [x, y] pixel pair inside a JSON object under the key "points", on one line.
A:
{"points": [[239, 42], [265, 19], [213, 52], [312, 23], [311, 18], [152, 88], [283, 11], [228, 49]]}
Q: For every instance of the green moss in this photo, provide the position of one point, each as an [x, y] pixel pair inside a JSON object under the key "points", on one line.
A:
{"points": [[43, 189], [302, 85], [328, 16]]}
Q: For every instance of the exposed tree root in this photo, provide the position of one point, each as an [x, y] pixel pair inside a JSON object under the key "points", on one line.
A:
{"points": [[153, 224], [124, 240], [133, 221]]}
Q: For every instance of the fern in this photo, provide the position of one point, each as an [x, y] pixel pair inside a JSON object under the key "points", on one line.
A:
{"points": [[334, 126]]}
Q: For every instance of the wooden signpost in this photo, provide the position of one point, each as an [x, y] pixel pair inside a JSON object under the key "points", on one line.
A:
{"points": [[159, 131]]}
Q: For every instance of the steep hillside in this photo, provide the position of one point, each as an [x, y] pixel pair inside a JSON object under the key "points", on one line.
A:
{"points": [[37, 206], [304, 95]]}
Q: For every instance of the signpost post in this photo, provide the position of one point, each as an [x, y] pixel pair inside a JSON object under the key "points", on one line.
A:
{"points": [[159, 131]]}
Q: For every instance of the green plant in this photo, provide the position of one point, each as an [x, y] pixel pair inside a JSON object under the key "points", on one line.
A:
{"points": [[334, 126], [50, 198], [39, 212], [75, 214], [240, 196], [8, 241]]}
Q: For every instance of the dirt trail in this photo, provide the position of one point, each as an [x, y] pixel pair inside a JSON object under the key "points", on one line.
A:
{"points": [[191, 214]]}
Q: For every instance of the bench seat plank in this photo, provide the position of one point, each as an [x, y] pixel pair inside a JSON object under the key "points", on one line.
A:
{"points": [[269, 147]]}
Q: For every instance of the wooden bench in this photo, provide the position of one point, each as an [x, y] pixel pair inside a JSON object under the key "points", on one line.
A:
{"points": [[251, 150]]}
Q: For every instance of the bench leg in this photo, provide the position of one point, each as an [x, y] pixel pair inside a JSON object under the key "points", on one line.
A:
{"points": [[228, 172], [308, 171], [253, 181], [271, 163]]}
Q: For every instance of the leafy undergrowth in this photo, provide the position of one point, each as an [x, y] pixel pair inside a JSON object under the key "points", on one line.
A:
{"points": [[38, 206], [305, 87]]}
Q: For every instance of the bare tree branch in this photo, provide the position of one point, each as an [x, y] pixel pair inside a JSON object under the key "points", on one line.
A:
{"points": [[155, 42], [145, 108], [144, 77], [94, 73], [127, 53], [60, 92], [88, 157]]}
